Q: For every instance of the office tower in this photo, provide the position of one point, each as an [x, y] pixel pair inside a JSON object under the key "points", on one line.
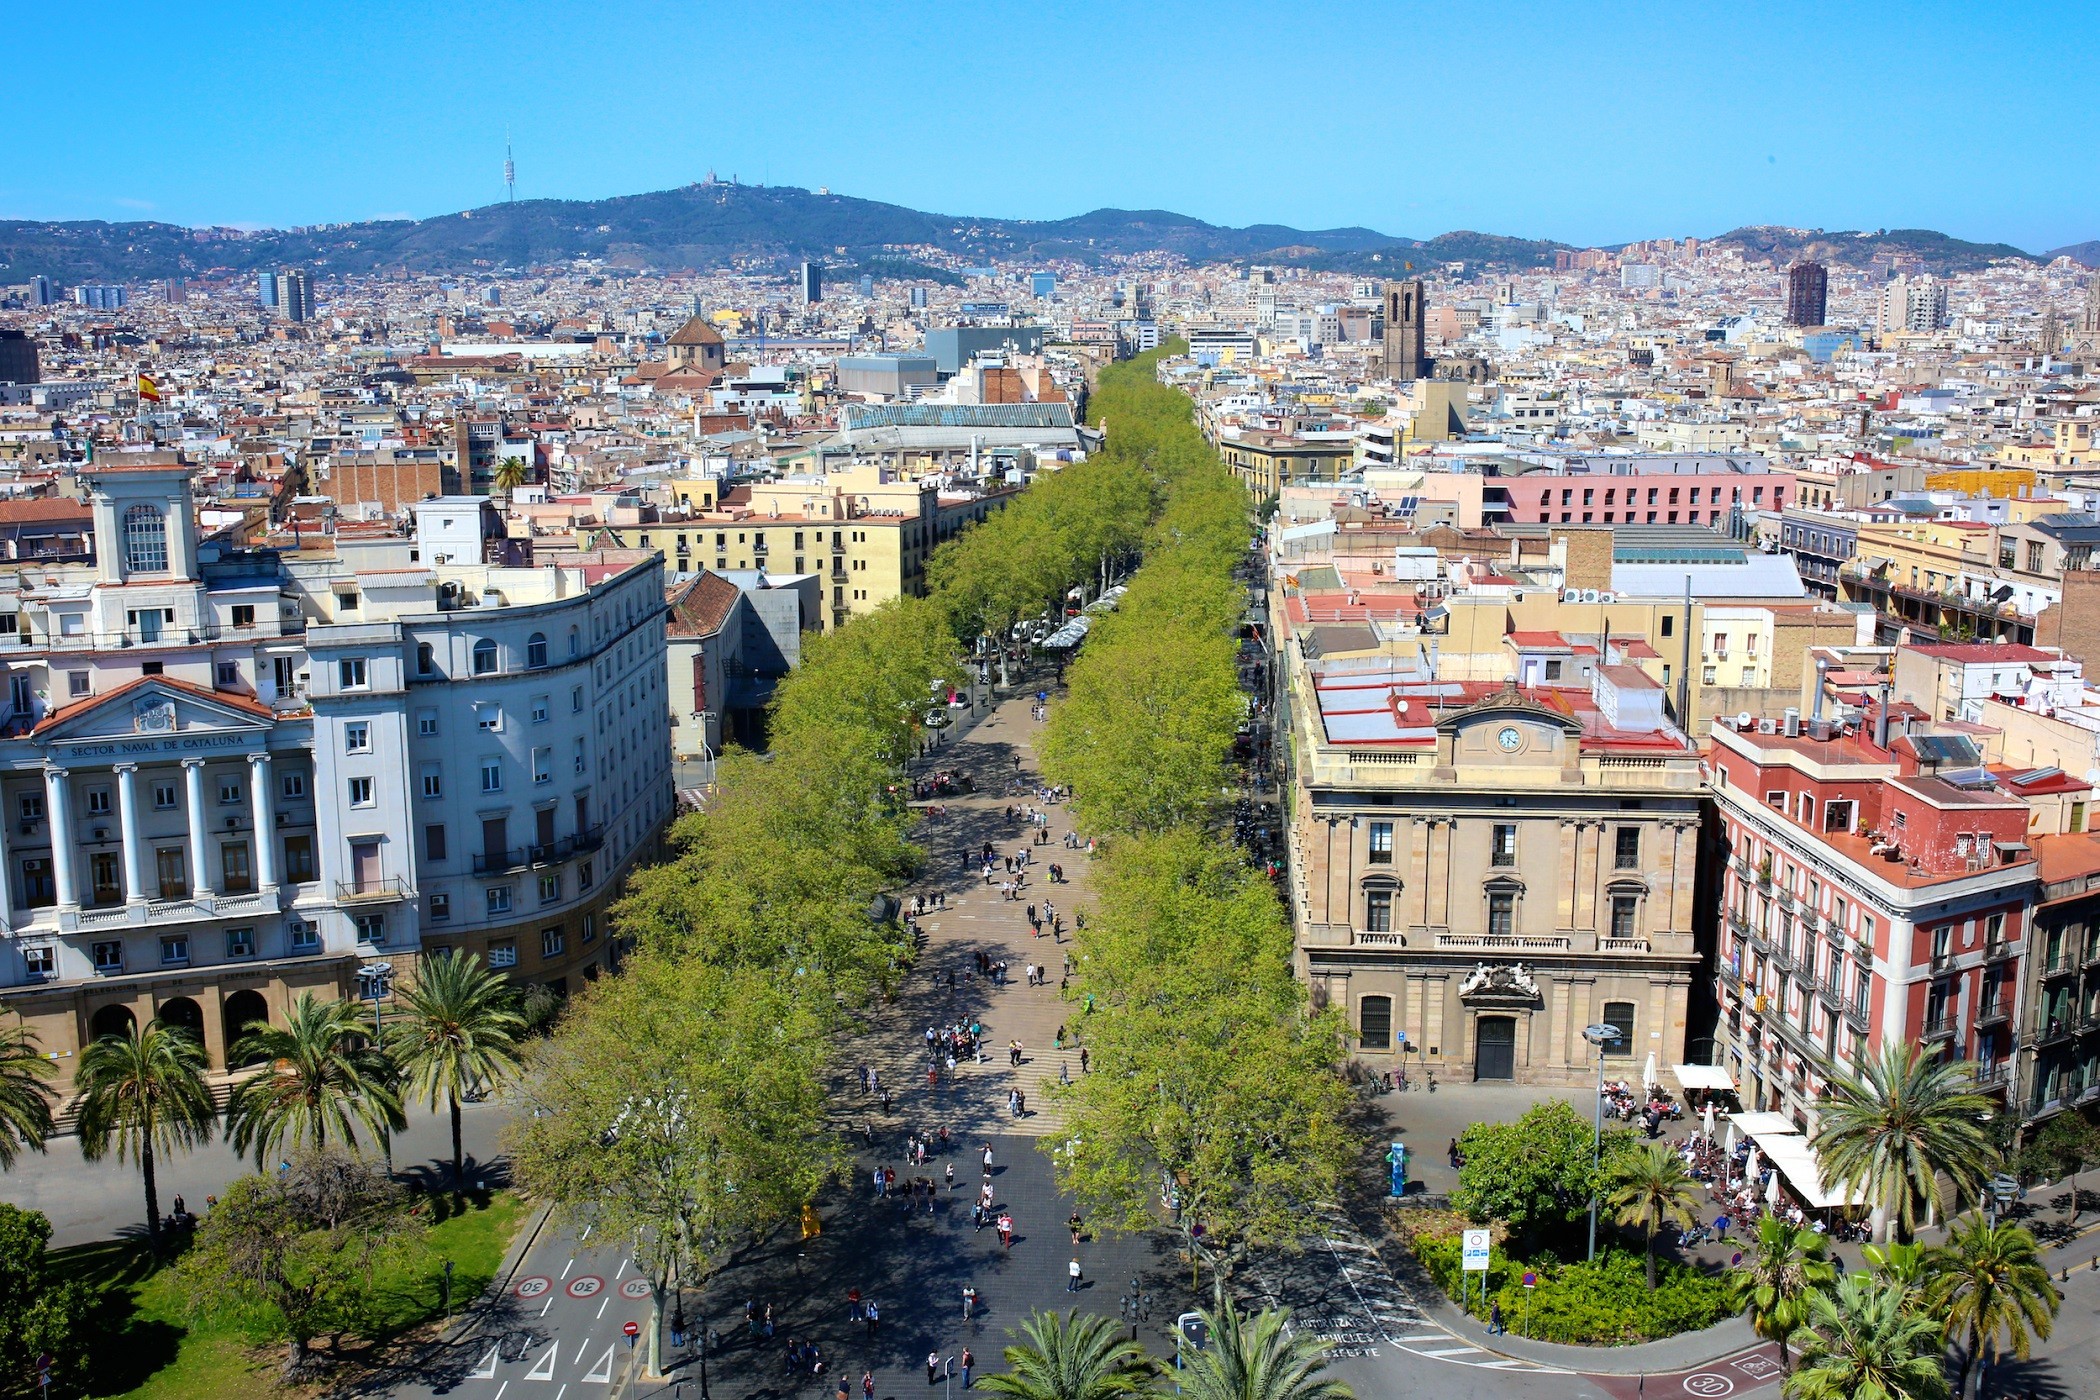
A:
{"points": [[100, 296], [1042, 284], [1406, 346], [812, 284], [1914, 304], [918, 298], [176, 290], [266, 290], [867, 286], [294, 296], [41, 292], [1807, 294], [18, 364]]}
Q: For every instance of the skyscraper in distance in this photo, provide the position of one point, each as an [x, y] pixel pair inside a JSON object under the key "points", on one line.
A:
{"points": [[266, 290], [1807, 294], [812, 284], [294, 298]]}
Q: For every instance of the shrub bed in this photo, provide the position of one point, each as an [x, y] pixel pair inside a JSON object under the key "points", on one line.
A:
{"points": [[1602, 1303]]}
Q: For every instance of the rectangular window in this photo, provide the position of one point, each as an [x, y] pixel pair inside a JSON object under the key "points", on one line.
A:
{"points": [[541, 710], [32, 806], [1502, 846], [1619, 1016], [175, 950], [1502, 914], [1837, 815], [103, 878], [229, 674], [371, 928], [581, 762], [360, 792], [232, 792], [350, 673], [434, 842], [1378, 911], [173, 869], [1381, 852], [583, 875], [305, 937], [98, 802], [542, 766], [357, 737], [433, 781], [233, 859], [590, 928], [576, 700], [551, 942], [240, 943], [489, 718], [165, 798], [492, 775], [499, 899], [427, 723], [1374, 1023], [109, 956], [503, 952], [299, 859], [244, 614], [1626, 854], [440, 908], [1624, 908], [40, 962], [550, 887], [76, 683]]}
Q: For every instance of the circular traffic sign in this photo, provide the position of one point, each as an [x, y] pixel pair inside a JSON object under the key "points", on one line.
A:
{"points": [[635, 1288], [1708, 1384], [632, 1329], [585, 1286], [534, 1286]]}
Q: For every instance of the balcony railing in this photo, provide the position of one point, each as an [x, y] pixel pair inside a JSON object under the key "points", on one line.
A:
{"points": [[169, 635], [371, 891], [2047, 1030], [1938, 1028], [1502, 943], [1941, 960], [1856, 1017], [543, 853], [1993, 1012]]}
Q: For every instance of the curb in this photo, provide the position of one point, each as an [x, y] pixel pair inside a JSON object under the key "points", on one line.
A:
{"points": [[506, 1272]]}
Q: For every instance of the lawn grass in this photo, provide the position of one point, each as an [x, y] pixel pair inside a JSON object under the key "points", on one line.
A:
{"points": [[152, 1345]]}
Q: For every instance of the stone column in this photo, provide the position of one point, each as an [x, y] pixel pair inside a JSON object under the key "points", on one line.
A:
{"points": [[1564, 887], [265, 822], [193, 785], [128, 831], [1418, 863], [59, 813]]}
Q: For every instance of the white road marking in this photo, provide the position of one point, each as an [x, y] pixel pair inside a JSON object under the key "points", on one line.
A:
{"points": [[546, 1305], [486, 1371], [500, 1389], [543, 1369], [602, 1372], [621, 1270], [1426, 1337], [601, 1306], [563, 1391], [566, 1267], [1453, 1351]]}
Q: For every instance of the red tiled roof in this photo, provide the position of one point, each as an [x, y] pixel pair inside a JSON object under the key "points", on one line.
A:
{"points": [[699, 608], [216, 697], [24, 512]]}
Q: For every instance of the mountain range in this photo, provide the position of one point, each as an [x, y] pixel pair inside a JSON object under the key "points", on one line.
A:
{"points": [[715, 224]]}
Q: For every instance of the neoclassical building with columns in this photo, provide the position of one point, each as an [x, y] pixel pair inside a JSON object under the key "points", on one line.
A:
{"points": [[229, 776], [1478, 872]]}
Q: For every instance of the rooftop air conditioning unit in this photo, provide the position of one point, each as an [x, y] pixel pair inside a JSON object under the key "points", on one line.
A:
{"points": [[1571, 595], [1765, 726], [1589, 595], [1607, 597]]}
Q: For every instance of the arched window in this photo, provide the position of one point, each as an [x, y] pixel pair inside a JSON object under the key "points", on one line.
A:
{"points": [[1374, 1023], [536, 650], [484, 657], [145, 540]]}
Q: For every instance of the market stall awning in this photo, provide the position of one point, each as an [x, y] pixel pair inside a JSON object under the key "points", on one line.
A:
{"points": [[1796, 1161], [1690, 1077], [1764, 1125]]}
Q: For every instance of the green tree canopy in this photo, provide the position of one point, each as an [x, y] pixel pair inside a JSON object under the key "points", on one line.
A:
{"points": [[455, 1027], [25, 1096], [324, 1077], [1064, 1356], [1534, 1175], [143, 1096], [39, 1314]]}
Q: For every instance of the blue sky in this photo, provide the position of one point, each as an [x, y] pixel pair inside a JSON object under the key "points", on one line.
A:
{"points": [[1587, 123]]}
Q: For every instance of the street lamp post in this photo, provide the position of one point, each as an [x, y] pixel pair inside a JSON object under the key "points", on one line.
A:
{"points": [[1599, 1036], [378, 978]]}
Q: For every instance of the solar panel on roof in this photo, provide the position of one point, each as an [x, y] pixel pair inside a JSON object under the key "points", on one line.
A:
{"points": [[1946, 748]]}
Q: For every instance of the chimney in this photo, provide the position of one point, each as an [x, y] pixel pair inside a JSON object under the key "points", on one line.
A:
{"points": [[1881, 719]]}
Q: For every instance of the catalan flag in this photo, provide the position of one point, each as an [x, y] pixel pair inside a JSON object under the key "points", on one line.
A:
{"points": [[149, 392]]}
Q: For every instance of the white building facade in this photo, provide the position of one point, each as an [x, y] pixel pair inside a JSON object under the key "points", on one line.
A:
{"points": [[229, 777]]}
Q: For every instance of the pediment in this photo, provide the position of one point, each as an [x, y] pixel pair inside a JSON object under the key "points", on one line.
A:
{"points": [[157, 711], [1506, 704]]}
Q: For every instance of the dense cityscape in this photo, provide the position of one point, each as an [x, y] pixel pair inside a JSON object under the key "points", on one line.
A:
{"points": [[746, 791]]}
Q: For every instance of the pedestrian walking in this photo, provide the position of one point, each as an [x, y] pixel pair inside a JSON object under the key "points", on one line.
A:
{"points": [[867, 1385], [1495, 1318], [933, 1368], [1072, 1275], [1006, 1230], [969, 1307], [949, 1173], [1082, 1059], [1064, 1072], [987, 1163], [874, 1318]]}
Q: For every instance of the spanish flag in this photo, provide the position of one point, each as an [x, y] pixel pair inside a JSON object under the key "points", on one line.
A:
{"points": [[149, 392]]}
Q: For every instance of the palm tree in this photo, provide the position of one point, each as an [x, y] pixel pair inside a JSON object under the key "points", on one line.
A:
{"points": [[143, 1092], [25, 1099], [1988, 1282], [1897, 1125], [1069, 1357], [510, 474], [454, 1029], [1788, 1265], [322, 1077], [1649, 1186], [1904, 1267], [1256, 1357], [1863, 1345]]}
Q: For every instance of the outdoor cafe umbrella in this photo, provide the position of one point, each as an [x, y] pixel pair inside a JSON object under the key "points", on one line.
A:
{"points": [[1648, 1080], [1708, 1123], [1772, 1191]]}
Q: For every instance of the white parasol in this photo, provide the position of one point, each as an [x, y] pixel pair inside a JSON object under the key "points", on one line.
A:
{"points": [[1750, 1165], [1708, 1121], [1648, 1079], [1727, 1146], [1772, 1191]]}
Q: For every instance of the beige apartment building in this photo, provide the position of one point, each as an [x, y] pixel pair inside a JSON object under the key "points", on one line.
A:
{"points": [[1479, 871]]}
